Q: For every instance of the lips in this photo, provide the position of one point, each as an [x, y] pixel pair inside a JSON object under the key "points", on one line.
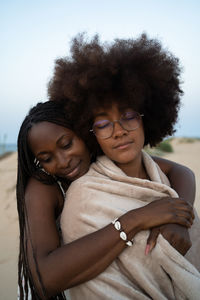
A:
{"points": [[122, 145], [73, 171]]}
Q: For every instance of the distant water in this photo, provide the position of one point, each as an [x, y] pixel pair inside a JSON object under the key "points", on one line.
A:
{"points": [[7, 148]]}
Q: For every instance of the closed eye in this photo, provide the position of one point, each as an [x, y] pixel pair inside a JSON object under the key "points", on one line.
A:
{"points": [[67, 146], [129, 116], [45, 160], [102, 124]]}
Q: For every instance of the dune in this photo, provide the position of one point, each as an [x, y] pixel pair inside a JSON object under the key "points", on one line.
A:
{"points": [[184, 153]]}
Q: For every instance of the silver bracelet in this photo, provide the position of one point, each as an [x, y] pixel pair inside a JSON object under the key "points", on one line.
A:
{"points": [[122, 234]]}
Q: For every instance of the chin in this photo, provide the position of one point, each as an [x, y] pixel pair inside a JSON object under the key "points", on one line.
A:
{"points": [[124, 162], [83, 172], [125, 159]]}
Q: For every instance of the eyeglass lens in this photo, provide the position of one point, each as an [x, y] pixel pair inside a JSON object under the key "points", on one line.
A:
{"points": [[129, 121]]}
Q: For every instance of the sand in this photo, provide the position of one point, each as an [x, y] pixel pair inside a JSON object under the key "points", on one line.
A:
{"points": [[185, 153], [8, 228]]}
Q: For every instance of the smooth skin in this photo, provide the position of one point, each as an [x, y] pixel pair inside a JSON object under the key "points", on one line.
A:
{"points": [[60, 152], [123, 147]]}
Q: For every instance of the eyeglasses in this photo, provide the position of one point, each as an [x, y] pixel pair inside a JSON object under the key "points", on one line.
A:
{"points": [[129, 121]]}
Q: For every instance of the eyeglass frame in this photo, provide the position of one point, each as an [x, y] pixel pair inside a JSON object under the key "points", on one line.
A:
{"points": [[117, 121]]}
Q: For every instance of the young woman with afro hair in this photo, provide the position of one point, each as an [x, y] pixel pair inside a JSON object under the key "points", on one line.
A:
{"points": [[128, 96]]}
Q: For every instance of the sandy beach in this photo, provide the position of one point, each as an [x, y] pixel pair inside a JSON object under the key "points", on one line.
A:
{"points": [[184, 153], [8, 228]]}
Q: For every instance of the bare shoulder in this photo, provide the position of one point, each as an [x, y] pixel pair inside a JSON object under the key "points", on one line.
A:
{"points": [[164, 164], [44, 204], [39, 195], [167, 166]]}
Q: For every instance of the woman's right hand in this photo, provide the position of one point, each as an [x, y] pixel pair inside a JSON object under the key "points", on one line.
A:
{"points": [[164, 211]]}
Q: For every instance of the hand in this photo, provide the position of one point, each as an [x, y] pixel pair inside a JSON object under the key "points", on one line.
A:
{"points": [[166, 210], [176, 235]]}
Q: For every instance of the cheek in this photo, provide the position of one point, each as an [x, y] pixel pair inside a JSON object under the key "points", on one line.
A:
{"points": [[138, 137], [48, 168], [142, 134], [105, 147], [142, 137], [83, 151]]}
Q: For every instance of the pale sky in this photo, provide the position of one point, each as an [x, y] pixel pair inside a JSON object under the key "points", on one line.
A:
{"points": [[34, 33]]}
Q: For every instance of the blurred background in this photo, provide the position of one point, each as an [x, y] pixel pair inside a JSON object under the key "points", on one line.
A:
{"points": [[35, 33]]}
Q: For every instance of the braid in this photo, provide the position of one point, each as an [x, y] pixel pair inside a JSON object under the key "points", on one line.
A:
{"points": [[53, 112]]}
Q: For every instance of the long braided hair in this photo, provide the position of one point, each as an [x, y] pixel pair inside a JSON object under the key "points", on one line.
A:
{"points": [[59, 113]]}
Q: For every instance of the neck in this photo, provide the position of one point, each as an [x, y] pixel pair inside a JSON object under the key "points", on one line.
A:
{"points": [[135, 168]]}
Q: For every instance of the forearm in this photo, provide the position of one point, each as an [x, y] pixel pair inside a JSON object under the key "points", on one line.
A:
{"points": [[85, 258], [97, 264], [131, 225], [59, 267], [182, 180]]}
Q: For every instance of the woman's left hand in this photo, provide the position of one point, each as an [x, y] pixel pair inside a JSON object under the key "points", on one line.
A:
{"points": [[176, 235]]}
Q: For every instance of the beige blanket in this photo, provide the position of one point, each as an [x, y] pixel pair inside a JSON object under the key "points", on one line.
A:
{"points": [[105, 193]]}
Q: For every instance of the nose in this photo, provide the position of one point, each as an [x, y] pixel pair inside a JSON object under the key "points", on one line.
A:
{"points": [[63, 161], [118, 130]]}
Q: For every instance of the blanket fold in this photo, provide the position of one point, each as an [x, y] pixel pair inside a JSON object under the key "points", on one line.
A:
{"points": [[106, 193]]}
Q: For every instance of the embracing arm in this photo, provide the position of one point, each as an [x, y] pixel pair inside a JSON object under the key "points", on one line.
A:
{"points": [[62, 267], [182, 180]]}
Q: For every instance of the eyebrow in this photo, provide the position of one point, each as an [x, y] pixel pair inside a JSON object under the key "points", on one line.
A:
{"points": [[46, 152], [101, 114]]}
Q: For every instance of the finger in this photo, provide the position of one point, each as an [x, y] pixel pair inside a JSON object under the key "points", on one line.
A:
{"points": [[183, 221], [186, 204], [187, 208], [147, 249], [184, 207], [185, 215], [192, 213], [151, 241]]}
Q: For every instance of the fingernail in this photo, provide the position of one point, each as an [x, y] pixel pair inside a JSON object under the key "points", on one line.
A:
{"points": [[147, 249]]}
